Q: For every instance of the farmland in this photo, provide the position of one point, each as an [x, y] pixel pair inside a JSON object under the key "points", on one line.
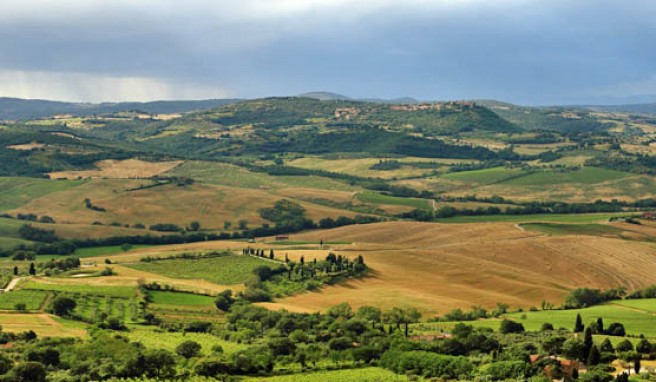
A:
{"points": [[226, 270], [353, 198], [636, 315]]}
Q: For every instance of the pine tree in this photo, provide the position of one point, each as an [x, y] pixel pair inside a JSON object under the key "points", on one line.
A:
{"points": [[32, 269], [578, 327], [600, 325], [271, 255]]}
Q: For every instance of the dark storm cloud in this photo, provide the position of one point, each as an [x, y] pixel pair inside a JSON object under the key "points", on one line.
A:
{"points": [[521, 51]]}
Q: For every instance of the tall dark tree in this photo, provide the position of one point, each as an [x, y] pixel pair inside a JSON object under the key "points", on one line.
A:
{"points": [[587, 341], [600, 325], [594, 357], [16, 271], [32, 269], [637, 364], [578, 326], [271, 254]]}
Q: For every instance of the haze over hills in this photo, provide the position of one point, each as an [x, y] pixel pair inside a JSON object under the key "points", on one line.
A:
{"points": [[22, 109]]}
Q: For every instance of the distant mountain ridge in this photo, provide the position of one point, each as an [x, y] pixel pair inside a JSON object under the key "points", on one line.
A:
{"points": [[22, 109], [328, 96]]}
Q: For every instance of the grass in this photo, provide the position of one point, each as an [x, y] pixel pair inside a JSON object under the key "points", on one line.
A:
{"points": [[586, 175], [15, 191], [167, 340], [105, 251], [366, 374], [32, 299], [95, 290], [180, 299], [636, 316], [376, 198], [486, 176], [224, 270], [554, 218], [230, 175]]}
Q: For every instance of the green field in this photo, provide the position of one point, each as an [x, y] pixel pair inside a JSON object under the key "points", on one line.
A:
{"points": [[225, 270], [235, 176], [586, 175], [95, 290], [94, 307], [554, 218], [486, 176], [180, 299], [152, 338], [105, 251], [637, 316], [33, 299], [15, 192], [367, 374], [376, 198]]}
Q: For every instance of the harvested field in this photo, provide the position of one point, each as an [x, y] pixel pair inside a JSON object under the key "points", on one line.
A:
{"points": [[27, 146], [44, 325], [211, 205], [440, 267], [119, 169]]}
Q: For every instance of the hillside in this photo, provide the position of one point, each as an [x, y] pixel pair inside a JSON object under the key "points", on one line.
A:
{"points": [[22, 109]]}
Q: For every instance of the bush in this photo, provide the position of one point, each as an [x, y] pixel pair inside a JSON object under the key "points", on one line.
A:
{"points": [[427, 364], [508, 326], [188, 349], [504, 370], [62, 306]]}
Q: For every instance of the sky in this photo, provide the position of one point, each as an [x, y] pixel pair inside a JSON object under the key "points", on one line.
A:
{"points": [[527, 52]]}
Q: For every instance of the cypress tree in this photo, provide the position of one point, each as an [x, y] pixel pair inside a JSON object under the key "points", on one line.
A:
{"points": [[600, 325], [578, 327], [594, 357], [32, 269], [16, 271], [587, 341], [271, 255], [637, 365]]}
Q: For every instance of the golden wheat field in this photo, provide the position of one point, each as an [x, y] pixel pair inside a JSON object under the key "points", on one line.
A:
{"points": [[438, 267], [211, 205], [119, 169]]}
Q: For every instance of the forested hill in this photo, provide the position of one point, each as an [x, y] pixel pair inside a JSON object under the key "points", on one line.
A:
{"points": [[23, 109]]}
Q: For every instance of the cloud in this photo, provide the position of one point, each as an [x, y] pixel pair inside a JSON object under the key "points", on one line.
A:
{"points": [[528, 51], [76, 87]]}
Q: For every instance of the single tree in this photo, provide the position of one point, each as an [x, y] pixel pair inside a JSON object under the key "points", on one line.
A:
{"points": [[600, 325], [587, 341], [271, 254], [637, 364], [594, 357], [16, 271], [188, 349], [62, 306], [126, 247], [624, 346], [644, 346], [607, 346], [370, 314], [194, 226], [29, 372], [578, 326], [32, 269]]}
